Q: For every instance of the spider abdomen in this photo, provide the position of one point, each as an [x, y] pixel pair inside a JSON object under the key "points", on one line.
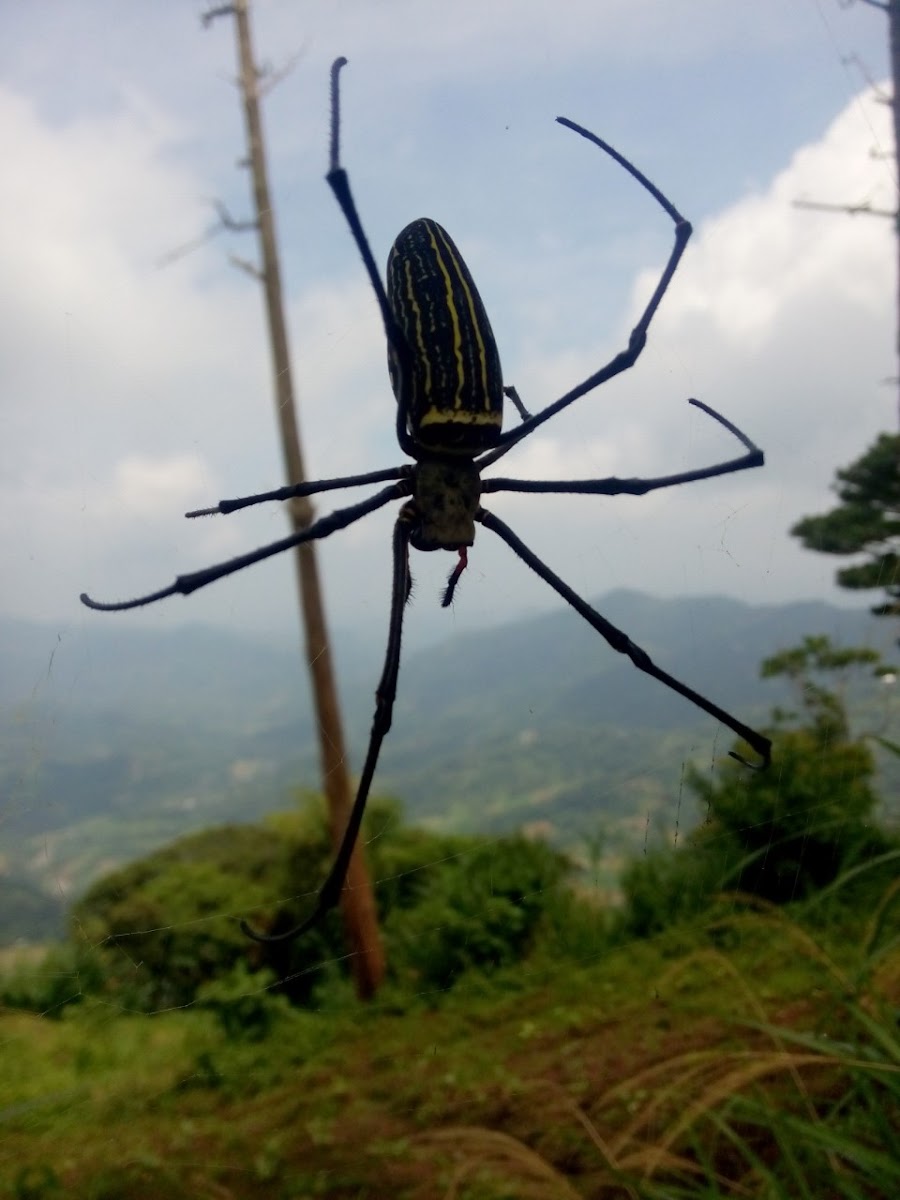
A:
{"points": [[451, 383]]}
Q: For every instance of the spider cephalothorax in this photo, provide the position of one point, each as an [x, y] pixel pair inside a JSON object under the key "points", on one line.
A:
{"points": [[446, 500], [445, 372]]}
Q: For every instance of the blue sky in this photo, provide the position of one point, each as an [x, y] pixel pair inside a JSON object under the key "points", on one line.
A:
{"points": [[134, 390]]}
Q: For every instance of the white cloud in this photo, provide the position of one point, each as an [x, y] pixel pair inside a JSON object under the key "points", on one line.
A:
{"points": [[780, 318], [155, 488], [443, 40], [131, 393]]}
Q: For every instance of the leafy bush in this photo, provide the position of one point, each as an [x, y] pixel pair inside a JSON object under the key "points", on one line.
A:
{"points": [[783, 833], [447, 903], [168, 935], [169, 923], [480, 911], [668, 885], [243, 1003], [63, 976]]}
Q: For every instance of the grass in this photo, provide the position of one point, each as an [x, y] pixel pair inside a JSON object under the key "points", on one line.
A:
{"points": [[746, 1058]]}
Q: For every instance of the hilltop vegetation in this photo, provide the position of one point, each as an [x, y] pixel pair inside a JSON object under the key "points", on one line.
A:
{"points": [[730, 1031], [746, 1053]]}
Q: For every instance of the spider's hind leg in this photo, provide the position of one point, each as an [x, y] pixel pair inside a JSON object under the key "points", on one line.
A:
{"points": [[623, 644], [330, 892]]}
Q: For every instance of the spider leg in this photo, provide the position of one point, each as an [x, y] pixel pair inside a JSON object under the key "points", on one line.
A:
{"points": [[453, 580], [185, 584], [292, 490], [626, 358], [622, 643], [637, 487], [339, 182], [330, 892], [513, 394]]}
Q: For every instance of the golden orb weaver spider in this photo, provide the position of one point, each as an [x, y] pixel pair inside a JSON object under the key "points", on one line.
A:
{"points": [[445, 373]]}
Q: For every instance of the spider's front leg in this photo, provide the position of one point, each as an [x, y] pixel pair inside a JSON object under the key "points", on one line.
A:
{"points": [[626, 358], [613, 486]]}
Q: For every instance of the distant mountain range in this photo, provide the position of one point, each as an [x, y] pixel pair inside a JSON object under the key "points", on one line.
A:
{"points": [[114, 742]]}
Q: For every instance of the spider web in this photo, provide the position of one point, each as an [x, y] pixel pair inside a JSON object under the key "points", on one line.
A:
{"points": [[118, 740]]}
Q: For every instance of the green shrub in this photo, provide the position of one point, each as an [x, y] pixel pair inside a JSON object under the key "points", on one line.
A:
{"points": [[243, 1003], [784, 833], [668, 885], [65, 974], [169, 932], [169, 923], [480, 911]]}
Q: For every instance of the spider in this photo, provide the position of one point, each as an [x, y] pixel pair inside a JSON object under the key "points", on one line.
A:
{"points": [[445, 373]]}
